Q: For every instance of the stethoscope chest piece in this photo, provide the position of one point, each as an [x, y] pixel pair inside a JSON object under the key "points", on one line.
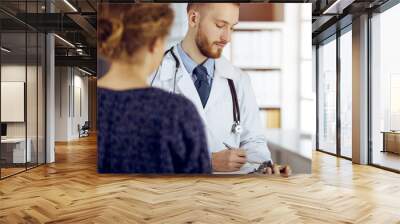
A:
{"points": [[236, 128]]}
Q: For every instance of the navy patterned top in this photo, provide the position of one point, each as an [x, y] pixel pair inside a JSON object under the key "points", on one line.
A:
{"points": [[149, 130]]}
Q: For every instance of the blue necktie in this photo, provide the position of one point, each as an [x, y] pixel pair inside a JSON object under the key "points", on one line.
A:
{"points": [[201, 83]]}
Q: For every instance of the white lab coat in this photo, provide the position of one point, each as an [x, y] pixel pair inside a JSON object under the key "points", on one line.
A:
{"points": [[218, 112]]}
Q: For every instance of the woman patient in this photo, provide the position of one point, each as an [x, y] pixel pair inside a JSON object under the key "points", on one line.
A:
{"points": [[143, 129]]}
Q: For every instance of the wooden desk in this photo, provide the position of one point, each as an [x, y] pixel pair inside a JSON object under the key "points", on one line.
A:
{"points": [[391, 141], [291, 148]]}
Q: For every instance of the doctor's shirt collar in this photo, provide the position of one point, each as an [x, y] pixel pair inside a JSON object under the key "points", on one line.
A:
{"points": [[190, 65]]}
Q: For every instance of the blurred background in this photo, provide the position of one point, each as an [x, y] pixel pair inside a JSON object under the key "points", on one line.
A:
{"points": [[272, 43]]}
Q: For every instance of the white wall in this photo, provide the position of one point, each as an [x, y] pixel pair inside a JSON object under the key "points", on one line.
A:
{"points": [[70, 83], [179, 27], [61, 103], [12, 73], [290, 68], [12, 101], [33, 127], [80, 84]]}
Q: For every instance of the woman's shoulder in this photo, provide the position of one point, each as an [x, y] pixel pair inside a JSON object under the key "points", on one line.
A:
{"points": [[171, 98], [180, 104], [139, 94], [150, 97]]}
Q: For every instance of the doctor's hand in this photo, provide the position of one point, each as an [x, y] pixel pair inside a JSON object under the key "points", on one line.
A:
{"points": [[277, 170], [228, 160]]}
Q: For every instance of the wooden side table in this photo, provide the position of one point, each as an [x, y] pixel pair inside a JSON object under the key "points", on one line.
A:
{"points": [[391, 141]]}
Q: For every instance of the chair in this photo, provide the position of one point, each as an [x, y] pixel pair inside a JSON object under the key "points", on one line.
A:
{"points": [[84, 130]]}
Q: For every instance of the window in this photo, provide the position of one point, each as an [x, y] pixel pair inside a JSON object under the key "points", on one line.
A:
{"points": [[307, 90], [346, 94], [327, 96], [394, 102], [22, 88], [385, 89]]}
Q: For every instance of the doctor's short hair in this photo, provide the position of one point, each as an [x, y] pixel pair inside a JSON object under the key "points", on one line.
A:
{"points": [[193, 5], [123, 29]]}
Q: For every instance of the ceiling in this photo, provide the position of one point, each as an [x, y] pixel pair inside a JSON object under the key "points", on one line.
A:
{"points": [[75, 21], [332, 15], [72, 20]]}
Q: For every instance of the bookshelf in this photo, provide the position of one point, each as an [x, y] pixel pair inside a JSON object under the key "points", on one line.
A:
{"points": [[256, 48]]}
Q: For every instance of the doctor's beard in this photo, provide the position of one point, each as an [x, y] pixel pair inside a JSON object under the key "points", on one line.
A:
{"points": [[205, 47]]}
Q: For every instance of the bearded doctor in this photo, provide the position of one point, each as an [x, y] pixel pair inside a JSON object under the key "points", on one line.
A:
{"points": [[221, 92]]}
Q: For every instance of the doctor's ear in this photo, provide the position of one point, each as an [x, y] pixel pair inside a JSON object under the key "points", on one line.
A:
{"points": [[193, 18]]}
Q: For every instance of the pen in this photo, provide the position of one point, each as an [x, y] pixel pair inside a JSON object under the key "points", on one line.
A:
{"points": [[231, 148], [227, 146]]}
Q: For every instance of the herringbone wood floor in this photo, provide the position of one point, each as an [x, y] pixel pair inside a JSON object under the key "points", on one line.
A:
{"points": [[70, 191]]}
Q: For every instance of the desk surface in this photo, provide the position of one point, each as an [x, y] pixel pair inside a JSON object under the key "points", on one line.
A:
{"points": [[391, 132], [13, 140]]}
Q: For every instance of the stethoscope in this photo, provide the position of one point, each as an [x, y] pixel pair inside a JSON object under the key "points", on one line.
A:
{"points": [[236, 127]]}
